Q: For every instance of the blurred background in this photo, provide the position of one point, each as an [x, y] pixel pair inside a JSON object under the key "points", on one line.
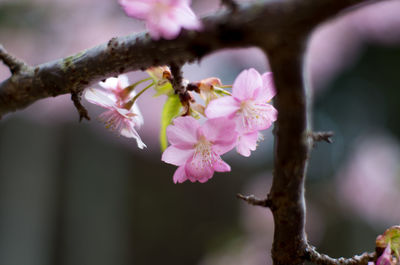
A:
{"points": [[76, 194]]}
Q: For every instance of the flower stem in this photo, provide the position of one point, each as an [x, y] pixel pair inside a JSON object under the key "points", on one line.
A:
{"points": [[222, 91], [132, 87], [129, 104]]}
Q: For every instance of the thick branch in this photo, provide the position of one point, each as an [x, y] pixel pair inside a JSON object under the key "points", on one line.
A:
{"points": [[248, 27], [322, 259], [291, 153]]}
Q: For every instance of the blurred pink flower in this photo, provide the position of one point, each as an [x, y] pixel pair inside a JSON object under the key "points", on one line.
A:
{"points": [[248, 107], [164, 18], [372, 170], [116, 118], [196, 148]]}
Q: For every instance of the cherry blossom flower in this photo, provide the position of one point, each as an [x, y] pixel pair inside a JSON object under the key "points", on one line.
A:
{"points": [[164, 18], [196, 149], [117, 118], [248, 107]]}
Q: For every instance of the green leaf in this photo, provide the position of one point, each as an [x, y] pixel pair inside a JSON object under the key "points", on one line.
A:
{"points": [[171, 109], [163, 89]]}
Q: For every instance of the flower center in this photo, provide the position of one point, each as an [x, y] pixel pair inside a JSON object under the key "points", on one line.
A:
{"points": [[252, 114], [161, 8], [203, 154]]}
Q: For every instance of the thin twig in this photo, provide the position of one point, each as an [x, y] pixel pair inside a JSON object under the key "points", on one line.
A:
{"points": [[321, 259], [251, 199], [83, 113], [12, 62], [230, 4], [177, 78], [322, 136]]}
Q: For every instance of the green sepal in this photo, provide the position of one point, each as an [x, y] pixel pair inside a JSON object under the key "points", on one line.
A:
{"points": [[171, 109], [222, 92]]}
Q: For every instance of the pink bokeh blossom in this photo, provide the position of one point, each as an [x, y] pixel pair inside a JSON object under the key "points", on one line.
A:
{"points": [[164, 18], [196, 149], [248, 107]]}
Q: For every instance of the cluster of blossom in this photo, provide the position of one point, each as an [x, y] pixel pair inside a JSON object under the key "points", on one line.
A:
{"points": [[232, 119]]}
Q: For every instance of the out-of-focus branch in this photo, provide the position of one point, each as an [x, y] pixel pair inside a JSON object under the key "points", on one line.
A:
{"points": [[252, 200], [230, 4], [248, 27], [322, 136], [321, 259], [15, 65]]}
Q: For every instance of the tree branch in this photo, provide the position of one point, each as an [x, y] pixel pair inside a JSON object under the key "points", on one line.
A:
{"points": [[251, 199], [123, 54], [322, 136], [291, 153], [15, 65], [321, 259]]}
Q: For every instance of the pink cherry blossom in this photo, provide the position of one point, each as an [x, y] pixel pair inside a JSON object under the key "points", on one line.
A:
{"points": [[196, 149], [116, 117], [164, 18], [248, 107]]}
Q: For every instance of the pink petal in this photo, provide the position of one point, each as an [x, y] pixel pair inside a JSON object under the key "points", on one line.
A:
{"points": [[246, 143], [98, 97], [185, 17], [179, 2], [261, 118], [246, 84], [183, 132], [180, 175], [138, 118], [198, 169], [221, 133], [163, 26], [222, 107], [137, 8], [220, 166], [123, 81], [110, 83], [129, 131], [175, 156], [268, 90]]}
